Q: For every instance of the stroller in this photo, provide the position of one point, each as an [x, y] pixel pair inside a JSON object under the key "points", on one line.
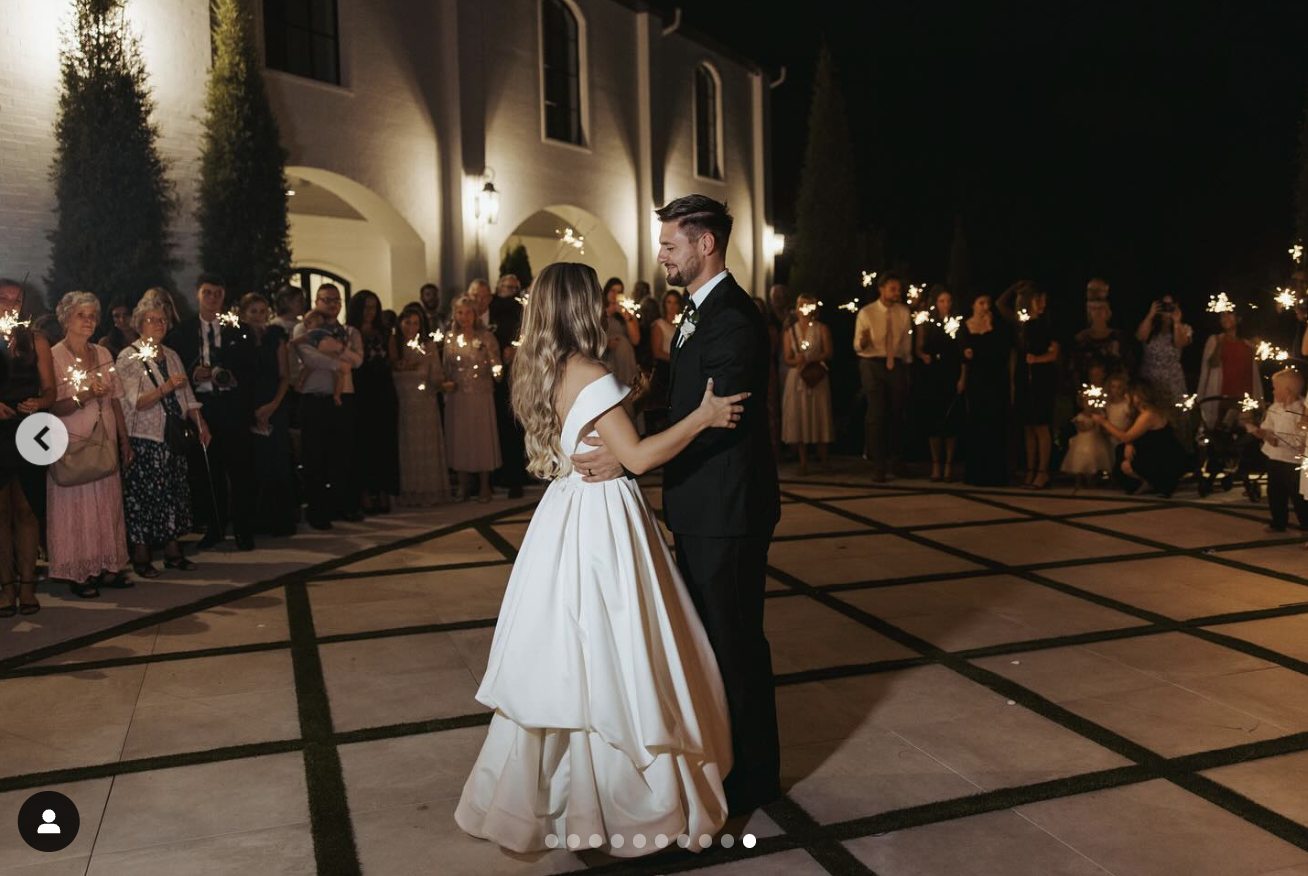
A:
{"points": [[1225, 452]]}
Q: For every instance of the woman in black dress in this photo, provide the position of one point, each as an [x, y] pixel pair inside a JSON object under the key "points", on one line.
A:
{"points": [[1035, 377], [942, 381], [1149, 451], [278, 511], [987, 381], [376, 441]]}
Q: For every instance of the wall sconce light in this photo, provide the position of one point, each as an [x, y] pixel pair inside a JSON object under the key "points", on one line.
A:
{"points": [[774, 242], [487, 205]]}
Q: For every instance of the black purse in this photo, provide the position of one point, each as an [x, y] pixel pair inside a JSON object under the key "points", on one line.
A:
{"points": [[180, 435]]}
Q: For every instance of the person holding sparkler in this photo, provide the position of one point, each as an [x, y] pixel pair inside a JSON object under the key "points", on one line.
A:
{"points": [[419, 380], [506, 310], [1283, 445], [156, 492], [28, 387], [1228, 368], [1164, 334], [1149, 450], [806, 404], [87, 535], [883, 343], [1088, 453], [472, 364], [624, 333], [941, 371]]}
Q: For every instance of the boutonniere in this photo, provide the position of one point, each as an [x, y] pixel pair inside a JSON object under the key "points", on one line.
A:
{"points": [[688, 322]]}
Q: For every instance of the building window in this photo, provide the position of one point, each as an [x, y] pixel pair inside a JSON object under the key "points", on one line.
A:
{"points": [[301, 37], [561, 72], [309, 279], [708, 123]]}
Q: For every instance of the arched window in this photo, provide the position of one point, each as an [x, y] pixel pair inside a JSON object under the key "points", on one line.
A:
{"points": [[561, 72], [708, 123]]}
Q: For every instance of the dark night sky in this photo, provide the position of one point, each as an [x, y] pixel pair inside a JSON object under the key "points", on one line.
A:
{"points": [[1156, 147]]}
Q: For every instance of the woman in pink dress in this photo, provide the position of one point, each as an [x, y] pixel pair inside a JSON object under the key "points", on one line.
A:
{"points": [[87, 537]]}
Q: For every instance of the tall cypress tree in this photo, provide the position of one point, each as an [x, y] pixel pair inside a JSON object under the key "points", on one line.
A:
{"points": [[517, 263], [244, 232], [1301, 191], [112, 195], [825, 245]]}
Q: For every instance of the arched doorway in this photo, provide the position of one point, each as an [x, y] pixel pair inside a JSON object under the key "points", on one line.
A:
{"points": [[564, 233], [344, 229]]}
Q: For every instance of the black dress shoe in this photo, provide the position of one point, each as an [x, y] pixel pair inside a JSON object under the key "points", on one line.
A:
{"points": [[320, 524], [145, 570], [245, 542], [515, 492], [209, 541], [119, 581], [182, 564]]}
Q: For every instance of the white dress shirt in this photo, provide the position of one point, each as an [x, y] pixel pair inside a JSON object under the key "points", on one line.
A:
{"points": [[872, 319], [1282, 423], [206, 354]]}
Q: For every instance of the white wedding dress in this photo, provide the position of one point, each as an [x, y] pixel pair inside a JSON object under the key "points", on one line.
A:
{"points": [[610, 717]]}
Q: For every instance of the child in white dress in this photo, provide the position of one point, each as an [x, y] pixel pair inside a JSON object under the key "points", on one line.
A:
{"points": [[1088, 451]]}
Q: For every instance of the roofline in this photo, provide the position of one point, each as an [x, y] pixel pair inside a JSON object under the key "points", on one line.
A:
{"points": [[699, 37]]}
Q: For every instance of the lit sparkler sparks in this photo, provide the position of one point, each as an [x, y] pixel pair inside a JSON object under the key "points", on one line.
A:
{"points": [[416, 345], [869, 277], [952, 324], [1187, 402], [806, 309], [497, 371], [462, 342], [1023, 316], [921, 317], [630, 305], [571, 238], [804, 345], [676, 320], [1267, 352], [914, 293], [1095, 396], [1248, 404], [849, 306], [146, 351], [1296, 252], [1220, 303], [523, 299], [1286, 298], [230, 319], [9, 322], [437, 337]]}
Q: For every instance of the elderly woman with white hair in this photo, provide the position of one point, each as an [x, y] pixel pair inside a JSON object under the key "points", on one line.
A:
{"points": [[157, 405], [86, 535]]}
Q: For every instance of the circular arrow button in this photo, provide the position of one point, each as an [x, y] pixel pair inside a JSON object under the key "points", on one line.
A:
{"points": [[42, 438]]}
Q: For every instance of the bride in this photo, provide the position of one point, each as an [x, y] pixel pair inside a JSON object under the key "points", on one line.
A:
{"points": [[611, 728]]}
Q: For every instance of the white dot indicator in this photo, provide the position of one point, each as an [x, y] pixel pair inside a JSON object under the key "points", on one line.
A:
{"points": [[596, 841], [705, 841], [616, 841], [573, 841], [661, 841], [748, 841], [552, 841], [639, 841], [727, 841], [683, 841]]}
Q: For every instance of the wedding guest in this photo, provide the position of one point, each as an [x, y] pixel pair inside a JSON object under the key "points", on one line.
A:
{"points": [[648, 311], [987, 387], [278, 501], [1099, 342], [27, 388], [774, 391], [290, 306], [419, 379], [1118, 410], [328, 427], [1035, 379], [1149, 451], [479, 291], [1164, 335], [806, 405], [882, 340], [778, 316], [624, 334], [429, 298], [156, 493], [472, 358], [120, 332], [942, 381], [506, 319], [1088, 451], [376, 445], [221, 362], [662, 333], [1227, 370], [1282, 440], [86, 536]]}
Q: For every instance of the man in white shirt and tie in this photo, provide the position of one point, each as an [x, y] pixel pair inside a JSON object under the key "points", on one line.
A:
{"points": [[883, 342], [479, 291]]}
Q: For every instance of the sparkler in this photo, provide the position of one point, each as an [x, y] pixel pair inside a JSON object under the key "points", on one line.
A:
{"points": [[869, 277], [416, 345], [462, 342], [497, 371], [572, 239], [9, 322], [1094, 396], [517, 343], [146, 351], [1219, 303], [849, 306], [676, 320], [951, 325], [523, 298], [437, 337], [1267, 352], [230, 319], [1187, 402], [804, 345], [806, 309], [1286, 298], [914, 293], [921, 317], [632, 307], [1023, 316], [1296, 252], [1248, 404]]}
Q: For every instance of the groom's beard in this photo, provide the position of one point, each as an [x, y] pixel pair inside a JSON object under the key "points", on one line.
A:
{"points": [[678, 277]]}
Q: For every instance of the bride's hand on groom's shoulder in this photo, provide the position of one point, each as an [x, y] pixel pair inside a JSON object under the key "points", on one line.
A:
{"points": [[721, 412]]}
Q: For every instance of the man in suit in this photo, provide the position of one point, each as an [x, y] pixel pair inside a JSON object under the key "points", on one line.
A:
{"points": [[720, 495], [221, 361], [505, 315]]}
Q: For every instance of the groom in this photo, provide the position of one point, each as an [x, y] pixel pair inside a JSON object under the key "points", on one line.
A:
{"points": [[720, 494]]}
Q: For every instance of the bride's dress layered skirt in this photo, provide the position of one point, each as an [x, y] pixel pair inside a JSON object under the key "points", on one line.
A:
{"points": [[610, 717]]}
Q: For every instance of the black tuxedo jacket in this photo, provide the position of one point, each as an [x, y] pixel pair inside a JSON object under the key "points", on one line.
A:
{"points": [[237, 353], [725, 483]]}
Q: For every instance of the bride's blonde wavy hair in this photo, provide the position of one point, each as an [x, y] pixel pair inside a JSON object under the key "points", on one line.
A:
{"points": [[564, 315]]}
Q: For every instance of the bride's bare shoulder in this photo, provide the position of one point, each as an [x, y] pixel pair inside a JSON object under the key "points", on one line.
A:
{"points": [[578, 373]]}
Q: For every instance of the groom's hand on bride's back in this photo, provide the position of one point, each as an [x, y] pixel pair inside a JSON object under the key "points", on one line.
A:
{"points": [[597, 465]]}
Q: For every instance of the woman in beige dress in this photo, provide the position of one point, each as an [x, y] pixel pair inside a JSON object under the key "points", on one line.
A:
{"points": [[424, 475], [806, 408], [472, 365]]}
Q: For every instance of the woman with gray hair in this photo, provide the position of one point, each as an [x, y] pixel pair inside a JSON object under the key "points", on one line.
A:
{"points": [[86, 535], [157, 403]]}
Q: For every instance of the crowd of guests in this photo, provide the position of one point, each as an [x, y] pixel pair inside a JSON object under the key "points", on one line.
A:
{"points": [[253, 416]]}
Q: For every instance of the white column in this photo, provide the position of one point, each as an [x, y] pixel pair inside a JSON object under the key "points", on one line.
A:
{"points": [[758, 199], [644, 153]]}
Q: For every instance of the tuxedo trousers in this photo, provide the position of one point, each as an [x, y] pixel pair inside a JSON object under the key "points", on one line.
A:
{"points": [[223, 485], [327, 453], [726, 578]]}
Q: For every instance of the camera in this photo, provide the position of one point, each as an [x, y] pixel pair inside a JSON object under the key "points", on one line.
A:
{"points": [[1166, 307], [223, 378]]}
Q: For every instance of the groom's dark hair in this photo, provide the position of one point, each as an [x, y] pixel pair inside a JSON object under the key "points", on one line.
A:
{"points": [[699, 214]]}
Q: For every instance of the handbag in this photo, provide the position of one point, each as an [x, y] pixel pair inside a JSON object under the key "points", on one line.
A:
{"points": [[91, 459], [812, 373], [180, 434]]}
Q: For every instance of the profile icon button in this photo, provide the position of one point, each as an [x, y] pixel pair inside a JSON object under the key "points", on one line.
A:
{"points": [[48, 821]]}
